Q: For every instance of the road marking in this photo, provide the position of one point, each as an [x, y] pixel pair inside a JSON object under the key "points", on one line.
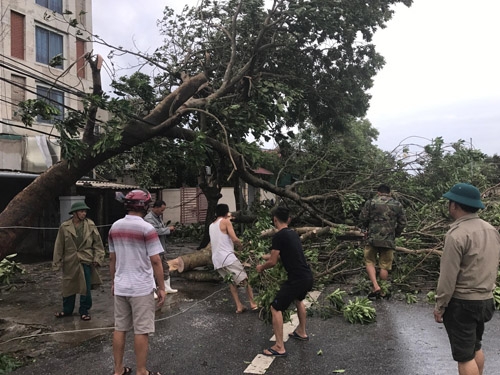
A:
{"points": [[261, 362]]}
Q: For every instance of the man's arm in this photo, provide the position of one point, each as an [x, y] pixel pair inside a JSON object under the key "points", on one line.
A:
{"points": [[161, 230], [98, 247], [364, 216], [57, 259], [231, 233], [400, 221], [270, 262], [449, 269], [158, 274], [112, 270]]}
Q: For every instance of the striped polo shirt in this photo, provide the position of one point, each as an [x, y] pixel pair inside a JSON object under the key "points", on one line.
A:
{"points": [[133, 241]]}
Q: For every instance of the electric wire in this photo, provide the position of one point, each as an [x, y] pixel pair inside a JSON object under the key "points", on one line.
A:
{"points": [[110, 328]]}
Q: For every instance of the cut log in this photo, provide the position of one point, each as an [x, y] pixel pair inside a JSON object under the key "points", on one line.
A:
{"points": [[190, 261]]}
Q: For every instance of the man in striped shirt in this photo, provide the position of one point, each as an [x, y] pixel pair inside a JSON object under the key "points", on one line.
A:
{"points": [[134, 249]]}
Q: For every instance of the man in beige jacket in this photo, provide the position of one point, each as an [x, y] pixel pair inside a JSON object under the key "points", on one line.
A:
{"points": [[78, 250], [468, 272]]}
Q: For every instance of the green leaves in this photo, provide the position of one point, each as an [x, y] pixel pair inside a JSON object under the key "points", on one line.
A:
{"points": [[9, 268], [336, 298], [359, 311]]}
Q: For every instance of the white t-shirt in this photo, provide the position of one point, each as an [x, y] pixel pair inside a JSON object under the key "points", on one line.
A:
{"points": [[133, 241]]}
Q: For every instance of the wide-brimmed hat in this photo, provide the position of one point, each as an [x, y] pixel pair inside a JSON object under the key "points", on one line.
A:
{"points": [[466, 194], [77, 206]]}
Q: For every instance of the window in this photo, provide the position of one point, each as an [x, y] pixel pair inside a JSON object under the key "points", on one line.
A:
{"points": [[80, 62], [17, 94], [55, 5], [17, 35], [48, 45], [52, 97]]}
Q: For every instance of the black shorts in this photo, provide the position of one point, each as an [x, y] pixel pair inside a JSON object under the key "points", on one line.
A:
{"points": [[464, 321], [291, 291]]}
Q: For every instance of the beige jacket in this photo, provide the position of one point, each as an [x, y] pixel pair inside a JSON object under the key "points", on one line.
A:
{"points": [[469, 264], [69, 257]]}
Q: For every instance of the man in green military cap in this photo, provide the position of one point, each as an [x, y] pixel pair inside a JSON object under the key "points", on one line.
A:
{"points": [[78, 250], [468, 272]]}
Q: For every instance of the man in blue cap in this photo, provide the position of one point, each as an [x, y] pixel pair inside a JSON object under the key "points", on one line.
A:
{"points": [[468, 272]]}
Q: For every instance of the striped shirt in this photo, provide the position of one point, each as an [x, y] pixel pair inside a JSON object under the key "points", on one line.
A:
{"points": [[133, 241]]}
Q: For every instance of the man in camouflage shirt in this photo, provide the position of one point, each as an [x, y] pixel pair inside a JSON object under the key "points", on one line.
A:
{"points": [[385, 219]]}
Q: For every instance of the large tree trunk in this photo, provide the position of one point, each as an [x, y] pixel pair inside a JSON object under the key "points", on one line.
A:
{"points": [[212, 193], [22, 211]]}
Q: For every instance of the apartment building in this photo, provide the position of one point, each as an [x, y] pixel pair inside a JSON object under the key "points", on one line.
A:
{"points": [[41, 57]]}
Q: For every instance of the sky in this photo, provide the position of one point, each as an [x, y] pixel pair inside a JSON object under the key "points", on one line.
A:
{"points": [[441, 77]]}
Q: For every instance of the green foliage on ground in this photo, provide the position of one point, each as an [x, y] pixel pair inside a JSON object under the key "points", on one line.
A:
{"points": [[359, 311], [9, 268], [8, 364]]}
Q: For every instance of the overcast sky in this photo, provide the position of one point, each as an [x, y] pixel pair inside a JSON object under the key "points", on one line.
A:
{"points": [[441, 76]]}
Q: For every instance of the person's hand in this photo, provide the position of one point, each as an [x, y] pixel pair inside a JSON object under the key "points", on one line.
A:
{"points": [[438, 316], [259, 268], [266, 256], [161, 296], [172, 228]]}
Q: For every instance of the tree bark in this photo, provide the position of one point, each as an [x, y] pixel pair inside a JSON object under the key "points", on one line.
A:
{"points": [[191, 261]]}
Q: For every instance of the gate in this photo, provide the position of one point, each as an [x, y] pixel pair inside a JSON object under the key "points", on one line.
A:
{"points": [[193, 205]]}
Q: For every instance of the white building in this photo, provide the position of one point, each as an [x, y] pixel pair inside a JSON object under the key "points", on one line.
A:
{"points": [[32, 33]]}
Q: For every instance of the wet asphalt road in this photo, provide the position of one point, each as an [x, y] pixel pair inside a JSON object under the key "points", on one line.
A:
{"points": [[199, 333]]}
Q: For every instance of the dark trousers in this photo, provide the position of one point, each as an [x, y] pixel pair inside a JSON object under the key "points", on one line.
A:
{"points": [[85, 300]]}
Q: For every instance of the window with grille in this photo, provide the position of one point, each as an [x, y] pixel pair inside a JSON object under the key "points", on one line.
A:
{"points": [[48, 45], [55, 5], [53, 97]]}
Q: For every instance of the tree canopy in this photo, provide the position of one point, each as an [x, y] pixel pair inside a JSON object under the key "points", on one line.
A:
{"points": [[227, 70]]}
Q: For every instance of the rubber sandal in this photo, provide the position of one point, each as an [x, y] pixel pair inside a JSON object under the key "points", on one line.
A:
{"points": [[153, 373], [126, 370], [85, 317], [296, 336], [274, 353], [374, 295]]}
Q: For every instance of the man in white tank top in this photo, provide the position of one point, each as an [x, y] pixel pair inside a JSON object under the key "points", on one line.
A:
{"points": [[222, 239]]}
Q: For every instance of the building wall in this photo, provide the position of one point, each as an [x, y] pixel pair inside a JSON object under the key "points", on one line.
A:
{"points": [[172, 198], [21, 73]]}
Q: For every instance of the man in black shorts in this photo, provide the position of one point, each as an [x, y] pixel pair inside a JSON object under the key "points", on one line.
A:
{"points": [[468, 272], [286, 246]]}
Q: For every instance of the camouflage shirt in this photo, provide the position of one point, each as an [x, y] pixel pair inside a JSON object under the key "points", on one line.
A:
{"points": [[385, 219]]}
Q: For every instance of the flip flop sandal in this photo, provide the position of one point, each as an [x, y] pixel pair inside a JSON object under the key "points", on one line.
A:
{"points": [[126, 370], [274, 353], [85, 317], [296, 336]]}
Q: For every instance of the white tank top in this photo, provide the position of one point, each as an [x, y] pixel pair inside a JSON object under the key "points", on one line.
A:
{"points": [[222, 246]]}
